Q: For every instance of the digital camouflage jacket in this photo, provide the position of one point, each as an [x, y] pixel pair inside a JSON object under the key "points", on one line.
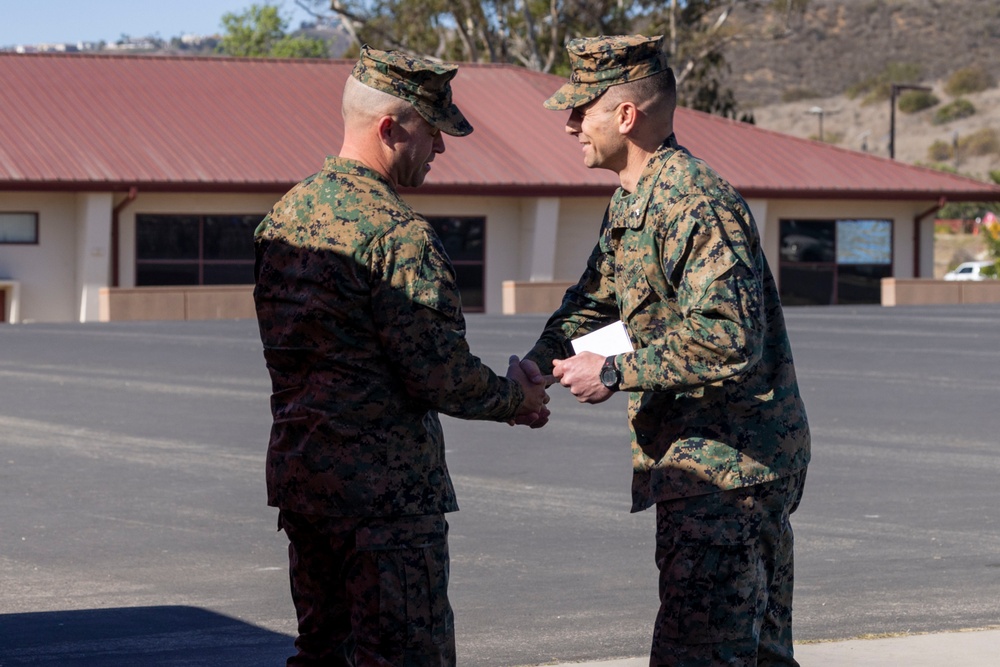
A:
{"points": [[714, 403], [364, 339]]}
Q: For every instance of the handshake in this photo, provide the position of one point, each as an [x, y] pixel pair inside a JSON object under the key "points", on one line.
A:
{"points": [[580, 374], [532, 411]]}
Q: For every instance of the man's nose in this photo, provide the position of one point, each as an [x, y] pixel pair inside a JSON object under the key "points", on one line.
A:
{"points": [[573, 122]]}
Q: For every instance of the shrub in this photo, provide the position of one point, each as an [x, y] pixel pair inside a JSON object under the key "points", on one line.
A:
{"points": [[798, 94], [913, 101], [969, 80], [984, 141], [878, 87], [960, 108], [835, 138], [940, 151]]}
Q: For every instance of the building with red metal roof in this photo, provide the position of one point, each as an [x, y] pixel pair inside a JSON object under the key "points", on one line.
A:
{"points": [[119, 172]]}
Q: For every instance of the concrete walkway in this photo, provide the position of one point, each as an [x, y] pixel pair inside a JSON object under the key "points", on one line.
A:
{"points": [[974, 648]]}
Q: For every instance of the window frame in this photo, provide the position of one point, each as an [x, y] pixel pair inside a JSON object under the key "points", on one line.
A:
{"points": [[200, 261], [834, 265], [466, 263], [35, 231]]}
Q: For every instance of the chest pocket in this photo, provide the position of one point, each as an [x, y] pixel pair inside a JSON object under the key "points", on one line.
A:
{"points": [[639, 303], [635, 291], [646, 299]]}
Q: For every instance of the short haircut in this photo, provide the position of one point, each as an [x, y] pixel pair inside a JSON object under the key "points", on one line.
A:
{"points": [[655, 94], [361, 103]]}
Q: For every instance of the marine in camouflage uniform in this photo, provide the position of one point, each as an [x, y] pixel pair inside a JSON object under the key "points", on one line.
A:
{"points": [[720, 441], [364, 339]]}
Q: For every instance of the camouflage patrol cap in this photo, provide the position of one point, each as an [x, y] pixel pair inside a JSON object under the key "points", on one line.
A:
{"points": [[601, 62], [421, 82]]}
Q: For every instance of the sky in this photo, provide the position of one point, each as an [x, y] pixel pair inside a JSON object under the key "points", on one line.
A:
{"points": [[72, 21]]}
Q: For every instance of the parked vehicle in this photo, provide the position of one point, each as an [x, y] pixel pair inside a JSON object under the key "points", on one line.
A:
{"points": [[968, 271]]}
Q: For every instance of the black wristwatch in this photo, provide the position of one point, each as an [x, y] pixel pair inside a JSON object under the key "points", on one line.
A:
{"points": [[611, 377]]}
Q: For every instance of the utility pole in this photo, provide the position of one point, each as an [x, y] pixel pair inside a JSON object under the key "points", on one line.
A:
{"points": [[896, 87]]}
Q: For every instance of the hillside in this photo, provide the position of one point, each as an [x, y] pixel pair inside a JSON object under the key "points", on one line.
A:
{"points": [[837, 44]]}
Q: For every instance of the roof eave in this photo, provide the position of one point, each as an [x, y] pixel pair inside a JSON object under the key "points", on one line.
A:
{"points": [[146, 186], [872, 195], [511, 190], [496, 190]]}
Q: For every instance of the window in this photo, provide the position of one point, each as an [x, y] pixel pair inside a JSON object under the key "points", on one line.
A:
{"points": [[834, 261], [463, 241], [19, 228], [194, 249]]}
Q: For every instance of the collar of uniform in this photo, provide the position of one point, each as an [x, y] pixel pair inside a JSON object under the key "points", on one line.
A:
{"points": [[628, 209], [340, 165]]}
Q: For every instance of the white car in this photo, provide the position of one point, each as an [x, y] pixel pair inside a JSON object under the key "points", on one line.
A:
{"points": [[968, 271]]}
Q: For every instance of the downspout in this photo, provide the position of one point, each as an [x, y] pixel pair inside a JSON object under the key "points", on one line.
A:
{"points": [[115, 212], [916, 233]]}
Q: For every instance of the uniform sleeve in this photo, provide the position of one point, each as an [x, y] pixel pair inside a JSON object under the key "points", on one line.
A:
{"points": [[706, 256], [418, 314], [586, 306]]}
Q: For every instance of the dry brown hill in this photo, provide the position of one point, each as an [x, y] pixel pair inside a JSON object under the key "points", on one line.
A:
{"points": [[837, 44]]}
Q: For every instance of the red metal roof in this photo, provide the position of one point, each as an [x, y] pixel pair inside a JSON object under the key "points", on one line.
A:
{"points": [[96, 122]]}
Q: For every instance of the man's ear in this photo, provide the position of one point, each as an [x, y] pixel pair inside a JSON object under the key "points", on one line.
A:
{"points": [[626, 115], [387, 130]]}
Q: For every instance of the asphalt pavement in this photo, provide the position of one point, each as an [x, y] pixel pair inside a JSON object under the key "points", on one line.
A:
{"points": [[968, 649], [134, 529]]}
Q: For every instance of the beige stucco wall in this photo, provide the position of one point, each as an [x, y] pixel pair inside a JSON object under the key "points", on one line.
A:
{"points": [[60, 276], [47, 271], [579, 227]]}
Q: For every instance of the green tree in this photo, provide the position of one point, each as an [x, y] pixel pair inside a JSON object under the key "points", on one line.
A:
{"points": [[990, 231], [533, 33], [261, 32], [528, 33]]}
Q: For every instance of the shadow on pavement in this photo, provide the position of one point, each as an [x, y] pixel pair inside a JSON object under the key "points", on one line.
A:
{"points": [[148, 636]]}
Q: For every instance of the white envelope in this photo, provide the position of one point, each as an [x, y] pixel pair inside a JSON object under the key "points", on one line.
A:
{"points": [[608, 340]]}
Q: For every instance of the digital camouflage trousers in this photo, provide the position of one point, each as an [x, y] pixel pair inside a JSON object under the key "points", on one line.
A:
{"points": [[370, 592], [726, 577]]}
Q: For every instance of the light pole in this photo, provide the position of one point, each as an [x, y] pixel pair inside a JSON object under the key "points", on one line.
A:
{"points": [[896, 87]]}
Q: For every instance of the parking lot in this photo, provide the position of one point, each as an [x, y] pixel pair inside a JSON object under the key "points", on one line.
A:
{"points": [[134, 530]]}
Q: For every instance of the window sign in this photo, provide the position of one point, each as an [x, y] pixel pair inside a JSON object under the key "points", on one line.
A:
{"points": [[864, 242], [833, 261], [18, 228]]}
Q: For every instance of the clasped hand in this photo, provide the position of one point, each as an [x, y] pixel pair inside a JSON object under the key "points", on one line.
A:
{"points": [[581, 374], [533, 411]]}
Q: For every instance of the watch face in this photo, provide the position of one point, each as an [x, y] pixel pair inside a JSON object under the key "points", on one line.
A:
{"points": [[609, 377]]}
